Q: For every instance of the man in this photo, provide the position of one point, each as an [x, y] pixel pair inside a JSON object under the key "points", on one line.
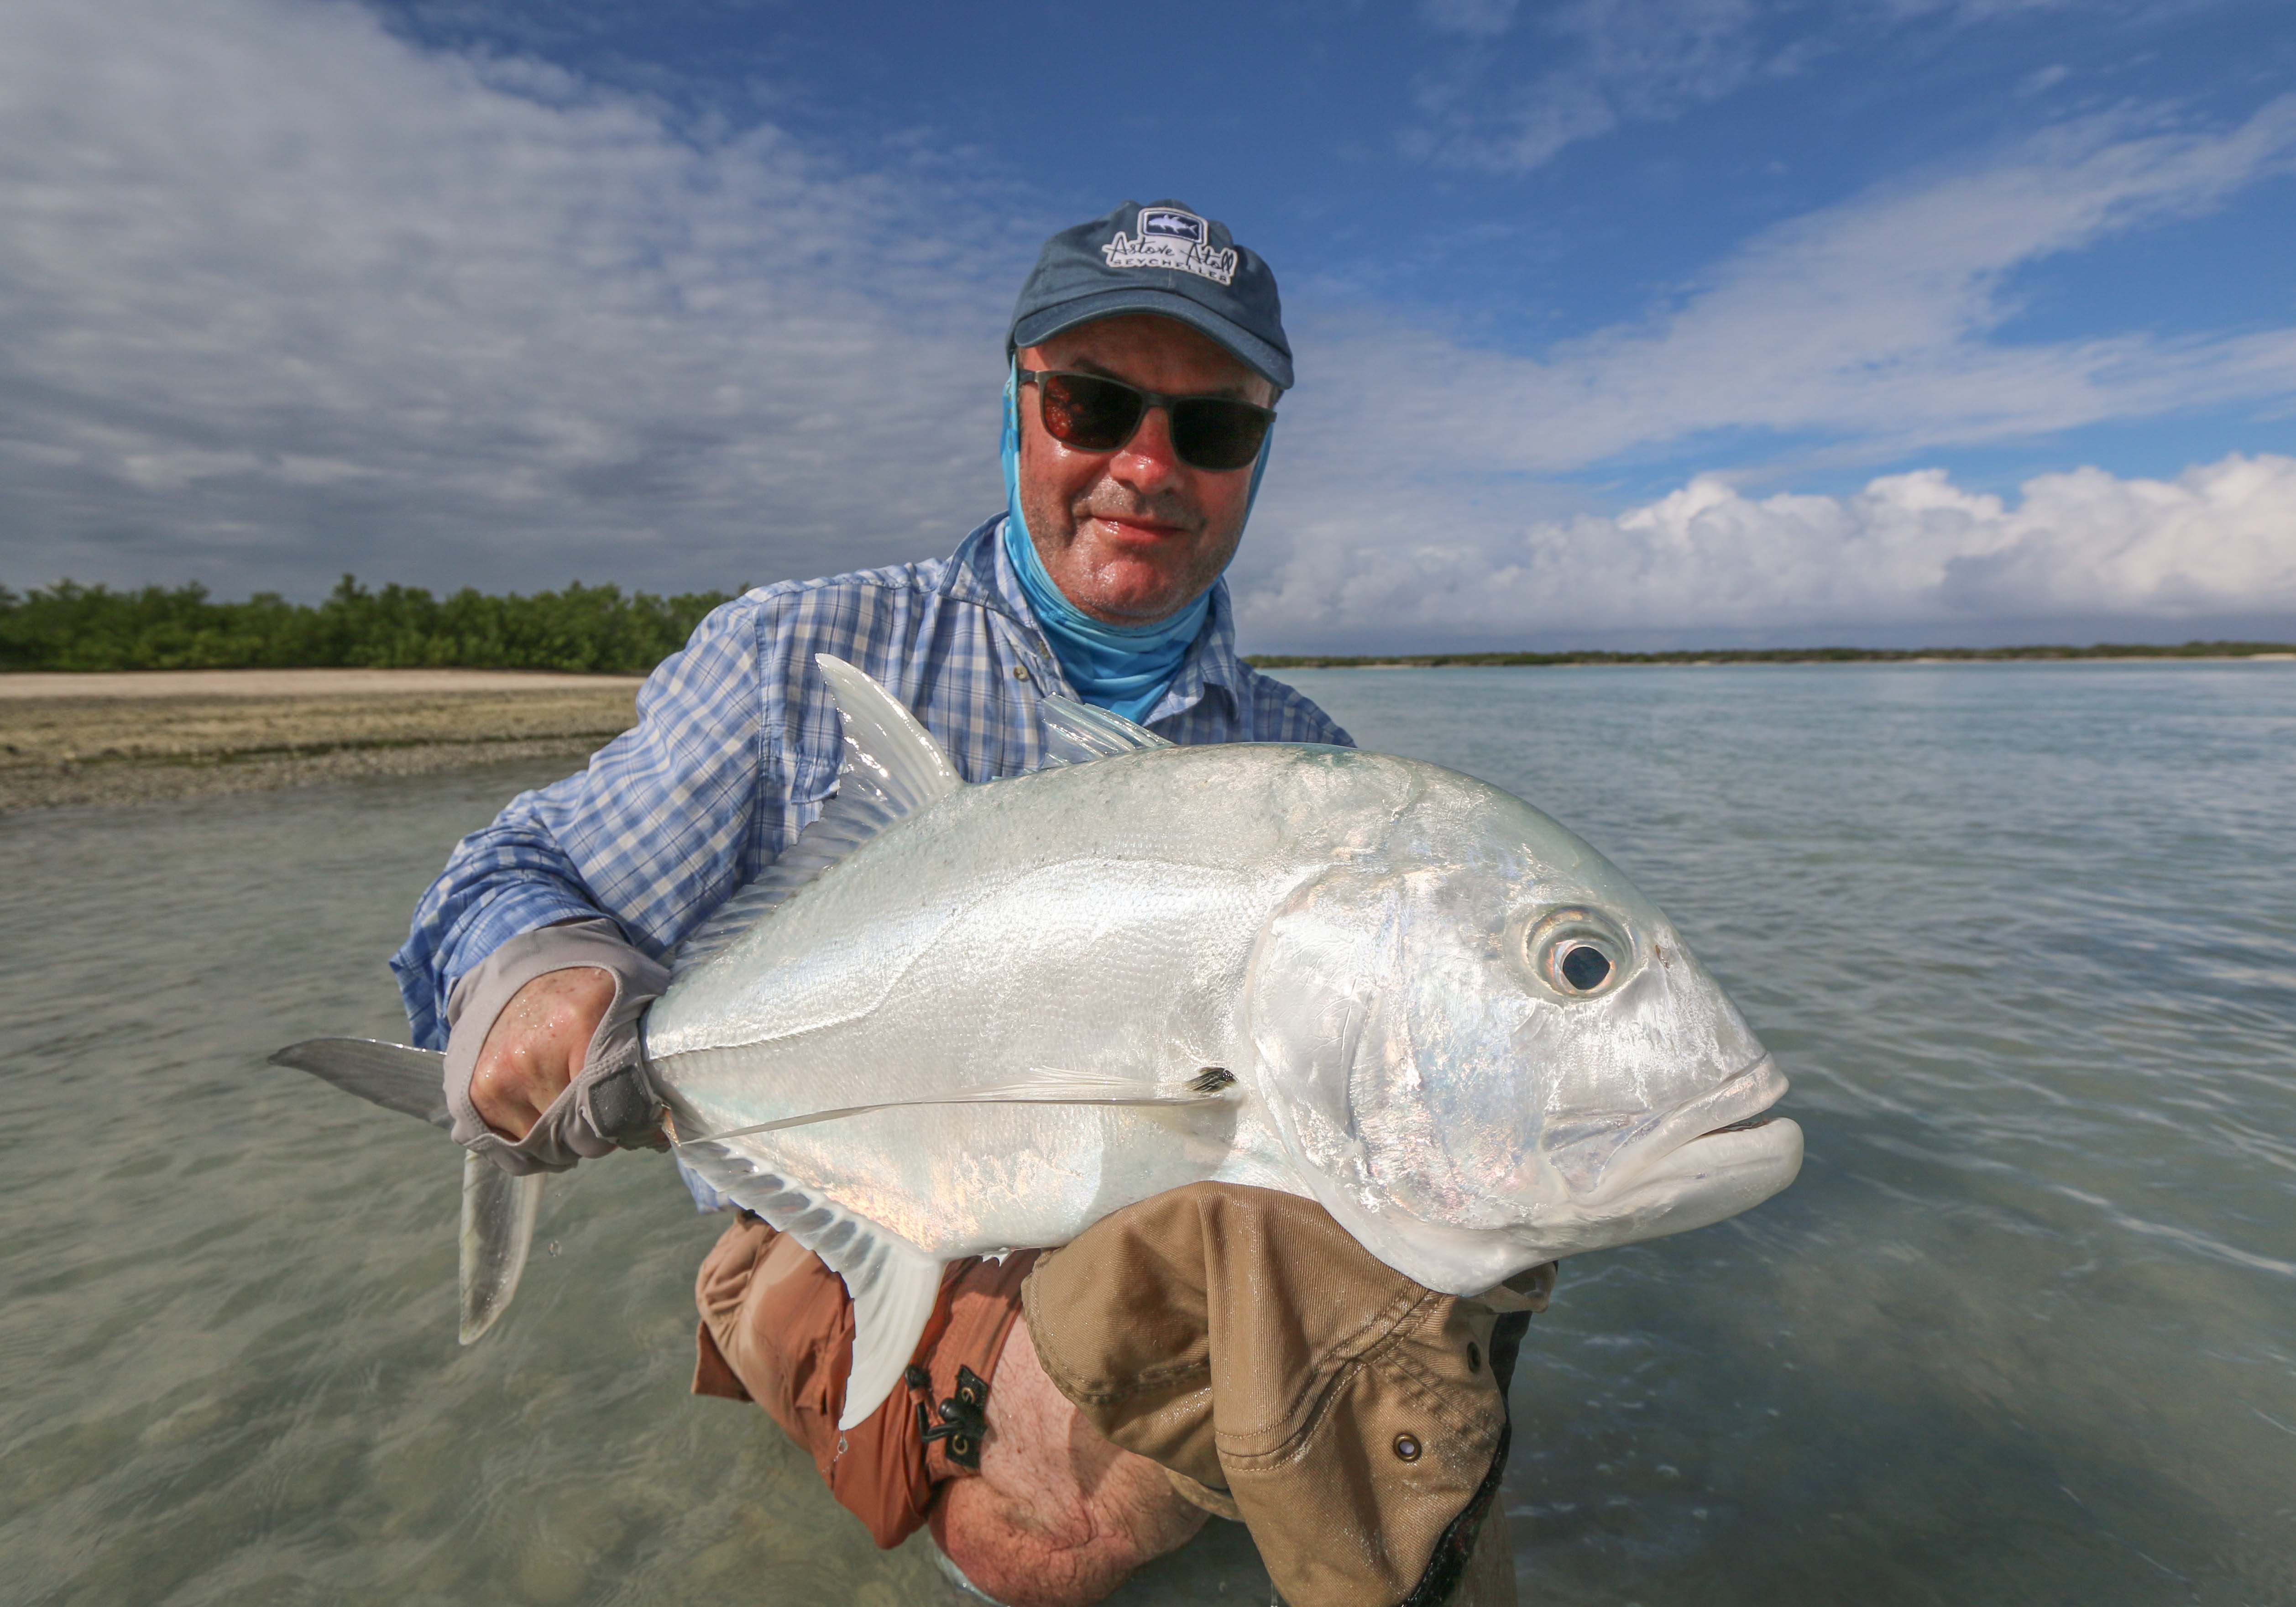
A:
{"points": [[1146, 355]]}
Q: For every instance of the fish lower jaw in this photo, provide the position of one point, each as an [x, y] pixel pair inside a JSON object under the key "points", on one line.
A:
{"points": [[1708, 1180], [1715, 1175], [1740, 1103]]}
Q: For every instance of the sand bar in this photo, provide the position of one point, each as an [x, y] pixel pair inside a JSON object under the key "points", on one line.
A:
{"points": [[137, 737], [295, 683]]}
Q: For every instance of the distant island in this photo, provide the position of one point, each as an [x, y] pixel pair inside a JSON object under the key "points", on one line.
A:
{"points": [[580, 630], [1781, 655], [118, 697], [605, 630]]}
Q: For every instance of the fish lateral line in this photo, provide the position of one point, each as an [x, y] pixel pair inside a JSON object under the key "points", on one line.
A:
{"points": [[1209, 1087]]}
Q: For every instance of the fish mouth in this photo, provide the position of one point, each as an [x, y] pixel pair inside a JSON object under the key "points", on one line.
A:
{"points": [[1743, 1101], [1739, 1105], [1717, 1175]]}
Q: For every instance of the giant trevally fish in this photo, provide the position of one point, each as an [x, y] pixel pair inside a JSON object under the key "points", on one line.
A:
{"points": [[954, 1020]]}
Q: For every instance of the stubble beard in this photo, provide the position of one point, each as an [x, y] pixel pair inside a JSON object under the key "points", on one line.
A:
{"points": [[1053, 529]]}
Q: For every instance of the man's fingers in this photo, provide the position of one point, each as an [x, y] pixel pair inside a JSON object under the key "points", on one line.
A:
{"points": [[512, 1094], [537, 1046]]}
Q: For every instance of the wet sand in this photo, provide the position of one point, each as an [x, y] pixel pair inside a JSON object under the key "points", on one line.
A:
{"points": [[142, 737]]}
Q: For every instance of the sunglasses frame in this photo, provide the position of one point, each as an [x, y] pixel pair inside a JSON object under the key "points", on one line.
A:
{"points": [[1153, 399]]}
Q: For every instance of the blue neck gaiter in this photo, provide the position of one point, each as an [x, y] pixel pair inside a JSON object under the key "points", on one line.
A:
{"points": [[1122, 667]]}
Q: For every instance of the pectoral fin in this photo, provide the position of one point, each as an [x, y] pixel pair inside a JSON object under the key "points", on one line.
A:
{"points": [[498, 1216]]}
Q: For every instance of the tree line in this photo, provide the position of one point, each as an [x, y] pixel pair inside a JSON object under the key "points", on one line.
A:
{"points": [[605, 630], [597, 629]]}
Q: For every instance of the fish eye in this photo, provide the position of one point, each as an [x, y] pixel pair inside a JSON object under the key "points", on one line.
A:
{"points": [[1578, 952], [1584, 966]]}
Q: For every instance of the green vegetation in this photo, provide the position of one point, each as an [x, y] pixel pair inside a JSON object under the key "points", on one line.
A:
{"points": [[1777, 655], [598, 629], [602, 629]]}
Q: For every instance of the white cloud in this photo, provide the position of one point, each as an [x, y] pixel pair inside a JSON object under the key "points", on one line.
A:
{"points": [[282, 294], [1909, 549], [1412, 465], [1874, 325], [1967, 12], [1591, 67], [1620, 62], [1473, 19]]}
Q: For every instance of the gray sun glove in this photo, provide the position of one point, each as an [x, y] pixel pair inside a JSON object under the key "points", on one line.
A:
{"points": [[611, 1103]]}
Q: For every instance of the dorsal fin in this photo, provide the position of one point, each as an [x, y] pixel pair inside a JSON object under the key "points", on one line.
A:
{"points": [[884, 742], [1077, 734], [892, 769]]}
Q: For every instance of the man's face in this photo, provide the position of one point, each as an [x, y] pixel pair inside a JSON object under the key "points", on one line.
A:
{"points": [[1134, 535]]}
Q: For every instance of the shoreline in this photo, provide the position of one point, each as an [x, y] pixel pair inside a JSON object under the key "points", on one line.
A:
{"points": [[142, 737]]}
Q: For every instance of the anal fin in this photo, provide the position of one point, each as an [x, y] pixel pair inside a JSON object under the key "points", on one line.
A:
{"points": [[894, 1284], [893, 1300]]}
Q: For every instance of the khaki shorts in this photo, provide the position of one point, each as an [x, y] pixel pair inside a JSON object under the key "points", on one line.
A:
{"points": [[777, 1328]]}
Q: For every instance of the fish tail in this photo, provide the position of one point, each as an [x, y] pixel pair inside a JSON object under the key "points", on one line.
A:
{"points": [[498, 1218], [498, 1210]]}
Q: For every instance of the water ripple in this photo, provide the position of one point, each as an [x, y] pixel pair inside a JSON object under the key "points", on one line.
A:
{"points": [[2024, 936]]}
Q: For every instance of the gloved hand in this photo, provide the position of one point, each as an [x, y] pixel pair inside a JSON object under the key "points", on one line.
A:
{"points": [[610, 1102]]}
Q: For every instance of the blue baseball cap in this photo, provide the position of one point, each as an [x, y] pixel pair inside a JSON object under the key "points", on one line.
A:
{"points": [[1164, 258]]}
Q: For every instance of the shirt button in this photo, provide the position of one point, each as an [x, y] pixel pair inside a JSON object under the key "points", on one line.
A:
{"points": [[1406, 1447], [1020, 672]]}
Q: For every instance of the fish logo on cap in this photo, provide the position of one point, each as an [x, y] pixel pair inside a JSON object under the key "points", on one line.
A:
{"points": [[1167, 224], [1170, 238]]}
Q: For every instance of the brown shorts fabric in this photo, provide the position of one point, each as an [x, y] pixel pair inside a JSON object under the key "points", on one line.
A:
{"points": [[1355, 1420], [777, 1328]]}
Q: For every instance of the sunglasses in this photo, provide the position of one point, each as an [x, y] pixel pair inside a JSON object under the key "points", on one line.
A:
{"points": [[1093, 414]]}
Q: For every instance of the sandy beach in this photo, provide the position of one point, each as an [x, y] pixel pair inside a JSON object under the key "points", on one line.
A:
{"points": [[138, 737]]}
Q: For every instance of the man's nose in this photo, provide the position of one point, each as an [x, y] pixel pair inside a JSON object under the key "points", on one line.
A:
{"points": [[1148, 460]]}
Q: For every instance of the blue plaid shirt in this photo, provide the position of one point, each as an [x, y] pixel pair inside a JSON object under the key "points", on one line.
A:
{"points": [[738, 742]]}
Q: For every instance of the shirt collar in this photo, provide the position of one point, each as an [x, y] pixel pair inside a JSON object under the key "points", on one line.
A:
{"points": [[980, 572]]}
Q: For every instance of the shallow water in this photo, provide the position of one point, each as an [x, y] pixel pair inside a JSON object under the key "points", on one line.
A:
{"points": [[2024, 936]]}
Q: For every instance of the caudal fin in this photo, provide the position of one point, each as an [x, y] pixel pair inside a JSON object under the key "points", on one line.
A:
{"points": [[498, 1209], [409, 1081], [498, 1216]]}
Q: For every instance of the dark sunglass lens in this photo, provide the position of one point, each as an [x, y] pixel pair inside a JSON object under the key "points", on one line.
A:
{"points": [[1092, 415], [1213, 433]]}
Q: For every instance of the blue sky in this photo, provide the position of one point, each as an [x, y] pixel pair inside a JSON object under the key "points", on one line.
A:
{"points": [[1617, 320]]}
